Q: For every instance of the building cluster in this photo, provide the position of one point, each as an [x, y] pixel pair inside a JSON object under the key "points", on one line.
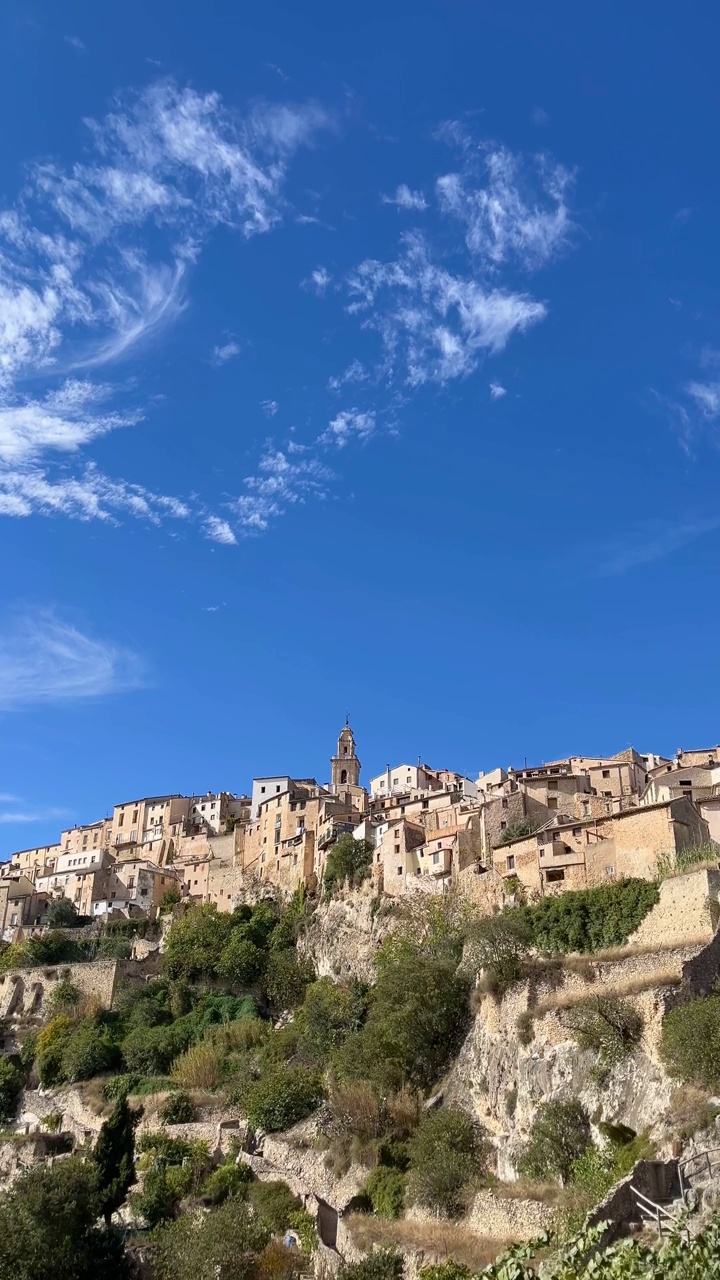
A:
{"points": [[569, 824]]}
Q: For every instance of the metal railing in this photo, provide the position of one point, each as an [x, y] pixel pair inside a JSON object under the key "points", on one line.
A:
{"points": [[651, 1211], [701, 1167]]}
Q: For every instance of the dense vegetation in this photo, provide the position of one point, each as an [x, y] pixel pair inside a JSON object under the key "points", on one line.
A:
{"points": [[690, 1045]]}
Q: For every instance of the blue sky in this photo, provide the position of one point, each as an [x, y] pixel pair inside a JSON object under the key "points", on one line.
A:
{"points": [[360, 361]]}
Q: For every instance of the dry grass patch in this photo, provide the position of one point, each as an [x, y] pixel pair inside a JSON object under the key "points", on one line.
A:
{"points": [[440, 1238], [690, 1110], [548, 1193], [668, 977], [200, 1067]]}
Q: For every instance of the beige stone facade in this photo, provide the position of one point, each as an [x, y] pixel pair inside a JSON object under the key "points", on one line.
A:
{"points": [[586, 854]]}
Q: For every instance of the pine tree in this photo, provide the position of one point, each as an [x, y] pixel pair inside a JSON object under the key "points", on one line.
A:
{"points": [[114, 1157]]}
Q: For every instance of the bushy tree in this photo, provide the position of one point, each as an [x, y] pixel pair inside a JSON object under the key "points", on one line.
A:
{"points": [[241, 961], [418, 1017], [349, 861], [226, 1243], [48, 1226], [559, 1136], [330, 1012], [281, 1097], [178, 1108], [690, 1043], [195, 943], [287, 977], [517, 830], [61, 914], [590, 920], [499, 945], [445, 1155], [11, 1083]]}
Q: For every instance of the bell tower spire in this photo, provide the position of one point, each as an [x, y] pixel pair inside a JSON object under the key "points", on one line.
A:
{"points": [[345, 766]]}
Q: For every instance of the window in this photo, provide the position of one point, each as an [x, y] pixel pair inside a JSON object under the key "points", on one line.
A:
{"points": [[277, 789], [606, 773], [504, 804], [343, 776], [552, 802], [607, 795], [203, 807], [426, 804], [553, 874], [399, 871], [395, 781], [552, 784], [397, 848], [436, 858], [262, 791], [503, 825], [382, 784], [610, 873], [576, 831], [121, 819], [511, 862], [135, 815], [13, 919], [542, 853]]}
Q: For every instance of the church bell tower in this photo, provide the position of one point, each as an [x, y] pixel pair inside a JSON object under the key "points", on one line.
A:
{"points": [[345, 765]]}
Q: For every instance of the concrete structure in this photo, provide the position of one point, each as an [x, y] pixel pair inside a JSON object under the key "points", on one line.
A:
{"points": [[266, 788], [404, 778]]}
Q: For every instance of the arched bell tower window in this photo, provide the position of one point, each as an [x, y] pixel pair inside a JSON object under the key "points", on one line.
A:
{"points": [[343, 776]]}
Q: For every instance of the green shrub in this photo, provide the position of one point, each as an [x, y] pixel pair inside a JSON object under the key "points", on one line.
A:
{"points": [[449, 1270], [11, 1083], [690, 1042], [228, 1180], [349, 861], [281, 1097], [445, 1156], [177, 1109], [287, 978], [559, 1136], [170, 898], [610, 1027], [381, 1264], [90, 1051], [588, 920], [274, 1204], [517, 830], [385, 1188], [64, 997], [113, 949], [195, 943], [229, 1243], [150, 1051]]}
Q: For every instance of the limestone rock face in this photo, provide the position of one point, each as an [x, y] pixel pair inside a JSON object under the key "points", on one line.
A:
{"points": [[345, 933]]}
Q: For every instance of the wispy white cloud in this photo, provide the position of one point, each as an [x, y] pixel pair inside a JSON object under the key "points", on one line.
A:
{"points": [[435, 325], [349, 425], [512, 211], [651, 541], [227, 351], [46, 660], [76, 43], [12, 817], [355, 372], [280, 482], [218, 530], [78, 291], [497, 391], [318, 281], [269, 407], [404, 198]]}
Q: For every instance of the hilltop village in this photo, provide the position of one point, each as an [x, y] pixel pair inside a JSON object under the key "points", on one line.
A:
{"points": [[569, 824]]}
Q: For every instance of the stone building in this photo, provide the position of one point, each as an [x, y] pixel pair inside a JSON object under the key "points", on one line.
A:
{"points": [[584, 854]]}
